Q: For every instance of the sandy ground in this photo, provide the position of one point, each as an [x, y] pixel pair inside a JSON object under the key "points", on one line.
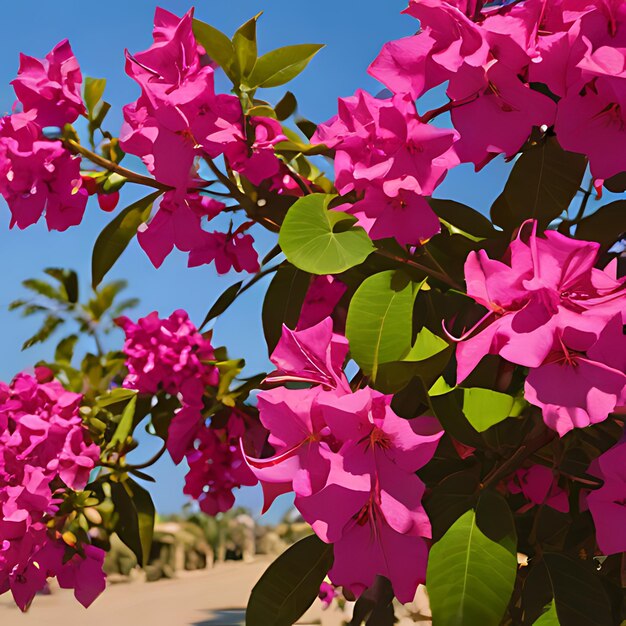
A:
{"points": [[215, 597]]}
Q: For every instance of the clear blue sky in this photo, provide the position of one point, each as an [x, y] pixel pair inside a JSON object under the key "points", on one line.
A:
{"points": [[354, 31]]}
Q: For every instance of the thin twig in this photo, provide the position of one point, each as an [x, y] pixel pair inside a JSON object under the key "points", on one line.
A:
{"points": [[444, 278]]}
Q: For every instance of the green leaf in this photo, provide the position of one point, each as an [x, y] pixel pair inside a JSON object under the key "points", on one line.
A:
{"points": [[65, 349], [322, 241], [380, 320], [45, 289], [50, 324], [484, 407], [116, 236], [244, 45], [470, 578], [113, 182], [218, 46], [135, 522], [67, 278], [542, 184], [222, 303], [115, 395], [549, 618], [279, 66], [605, 226], [283, 302], [290, 584], [125, 425], [286, 106], [463, 220], [579, 596], [94, 90]]}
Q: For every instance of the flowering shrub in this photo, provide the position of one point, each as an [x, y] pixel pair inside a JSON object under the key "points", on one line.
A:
{"points": [[449, 388]]}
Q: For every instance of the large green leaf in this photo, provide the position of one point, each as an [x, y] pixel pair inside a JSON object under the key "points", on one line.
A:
{"points": [[463, 220], [606, 225], [218, 46], [279, 66], [245, 46], [579, 596], [542, 184], [135, 521], [283, 302], [290, 584], [380, 320], [322, 241], [470, 578], [125, 425], [116, 236]]}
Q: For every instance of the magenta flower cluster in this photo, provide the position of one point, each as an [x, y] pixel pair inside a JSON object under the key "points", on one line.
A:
{"points": [[177, 122], [171, 356], [553, 311], [44, 452], [351, 462], [38, 175]]}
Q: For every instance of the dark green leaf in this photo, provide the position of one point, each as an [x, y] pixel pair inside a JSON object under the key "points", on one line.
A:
{"points": [[279, 66], [542, 184], [286, 106], [549, 618], [283, 302], [290, 584], [322, 241], [461, 219], [50, 324], [65, 349], [495, 520], [217, 45], [116, 236], [222, 303], [135, 522], [617, 183], [244, 44], [470, 577], [606, 226], [578, 593], [67, 278]]}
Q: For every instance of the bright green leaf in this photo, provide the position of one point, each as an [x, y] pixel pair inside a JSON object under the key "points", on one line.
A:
{"points": [[470, 578], [322, 241], [116, 236], [125, 425], [218, 46], [279, 66], [549, 618], [380, 319], [290, 584], [94, 90], [484, 407], [245, 47]]}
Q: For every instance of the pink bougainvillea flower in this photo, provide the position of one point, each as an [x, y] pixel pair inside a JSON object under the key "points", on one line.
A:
{"points": [[177, 224], [83, 575], [216, 467], [540, 486], [448, 40], [406, 216], [544, 285], [51, 87], [38, 176], [608, 504], [327, 594], [382, 142], [511, 107], [228, 251], [320, 301], [314, 355], [583, 380], [170, 355]]}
